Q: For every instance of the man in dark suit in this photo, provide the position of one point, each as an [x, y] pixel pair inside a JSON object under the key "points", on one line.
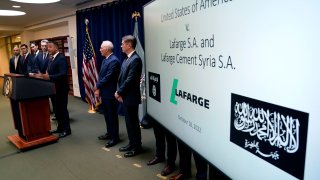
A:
{"points": [[16, 61], [42, 58], [15, 67], [40, 64], [34, 49], [106, 87], [128, 93], [57, 73], [27, 61]]}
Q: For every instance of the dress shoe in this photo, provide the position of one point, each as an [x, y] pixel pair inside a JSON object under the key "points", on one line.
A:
{"points": [[167, 170], [126, 148], [133, 152], [155, 160], [64, 134], [111, 143], [104, 137], [180, 176]]}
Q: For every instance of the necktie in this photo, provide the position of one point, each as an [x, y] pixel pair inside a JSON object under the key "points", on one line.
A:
{"points": [[44, 56], [15, 62], [24, 58], [50, 62]]}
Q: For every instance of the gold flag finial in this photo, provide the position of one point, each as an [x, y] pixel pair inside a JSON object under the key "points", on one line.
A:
{"points": [[86, 21], [135, 15]]}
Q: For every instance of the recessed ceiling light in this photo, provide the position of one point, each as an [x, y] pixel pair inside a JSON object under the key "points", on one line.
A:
{"points": [[11, 13], [14, 6], [36, 1]]}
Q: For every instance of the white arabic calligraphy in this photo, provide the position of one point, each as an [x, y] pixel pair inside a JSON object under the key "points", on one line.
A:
{"points": [[251, 145], [279, 130]]}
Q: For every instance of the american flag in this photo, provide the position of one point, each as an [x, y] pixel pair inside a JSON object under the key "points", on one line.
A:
{"points": [[90, 74]]}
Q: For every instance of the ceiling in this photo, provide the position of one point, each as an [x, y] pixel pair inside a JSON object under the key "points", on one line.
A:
{"points": [[38, 13]]}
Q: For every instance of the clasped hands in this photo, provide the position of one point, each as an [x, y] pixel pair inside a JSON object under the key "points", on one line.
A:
{"points": [[118, 97], [96, 92], [40, 75]]}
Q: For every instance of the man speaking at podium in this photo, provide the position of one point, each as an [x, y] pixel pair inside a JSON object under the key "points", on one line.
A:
{"points": [[57, 73]]}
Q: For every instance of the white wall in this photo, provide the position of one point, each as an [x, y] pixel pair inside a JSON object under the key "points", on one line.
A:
{"points": [[4, 59], [60, 27], [52, 32]]}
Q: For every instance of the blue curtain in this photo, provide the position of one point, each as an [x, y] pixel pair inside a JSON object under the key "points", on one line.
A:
{"points": [[110, 22]]}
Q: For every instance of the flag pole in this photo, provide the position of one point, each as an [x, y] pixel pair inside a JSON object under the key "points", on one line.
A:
{"points": [[86, 22], [143, 106], [92, 106]]}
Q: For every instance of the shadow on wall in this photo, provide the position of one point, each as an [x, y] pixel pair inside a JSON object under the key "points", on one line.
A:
{"points": [[1, 85]]}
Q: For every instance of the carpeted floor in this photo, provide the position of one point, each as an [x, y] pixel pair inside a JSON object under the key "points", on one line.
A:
{"points": [[79, 156]]}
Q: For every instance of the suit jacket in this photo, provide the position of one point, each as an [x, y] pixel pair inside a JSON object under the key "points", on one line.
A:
{"points": [[35, 54], [41, 64], [18, 69], [129, 80], [27, 64], [108, 77], [58, 70]]}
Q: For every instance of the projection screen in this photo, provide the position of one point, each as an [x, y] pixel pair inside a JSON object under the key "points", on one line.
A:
{"points": [[237, 81]]}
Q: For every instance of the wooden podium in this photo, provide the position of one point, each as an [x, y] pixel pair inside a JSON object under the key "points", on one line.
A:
{"points": [[29, 98]]}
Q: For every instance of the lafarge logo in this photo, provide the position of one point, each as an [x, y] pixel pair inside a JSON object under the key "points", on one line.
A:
{"points": [[195, 99]]}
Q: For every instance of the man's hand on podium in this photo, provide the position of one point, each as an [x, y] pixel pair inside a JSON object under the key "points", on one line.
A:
{"points": [[46, 76], [35, 75], [40, 75], [32, 75]]}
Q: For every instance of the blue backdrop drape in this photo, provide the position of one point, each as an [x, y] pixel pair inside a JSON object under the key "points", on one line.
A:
{"points": [[111, 22]]}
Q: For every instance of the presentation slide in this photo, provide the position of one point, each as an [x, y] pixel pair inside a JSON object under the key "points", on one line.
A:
{"points": [[237, 81]]}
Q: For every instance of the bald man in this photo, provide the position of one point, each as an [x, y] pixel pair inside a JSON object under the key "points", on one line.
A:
{"points": [[106, 87], [16, 61]]}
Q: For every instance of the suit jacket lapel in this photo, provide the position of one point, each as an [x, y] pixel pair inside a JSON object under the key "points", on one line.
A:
{"points": [[103, 65], [125, 65], [51, 62], [127, 61]]}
